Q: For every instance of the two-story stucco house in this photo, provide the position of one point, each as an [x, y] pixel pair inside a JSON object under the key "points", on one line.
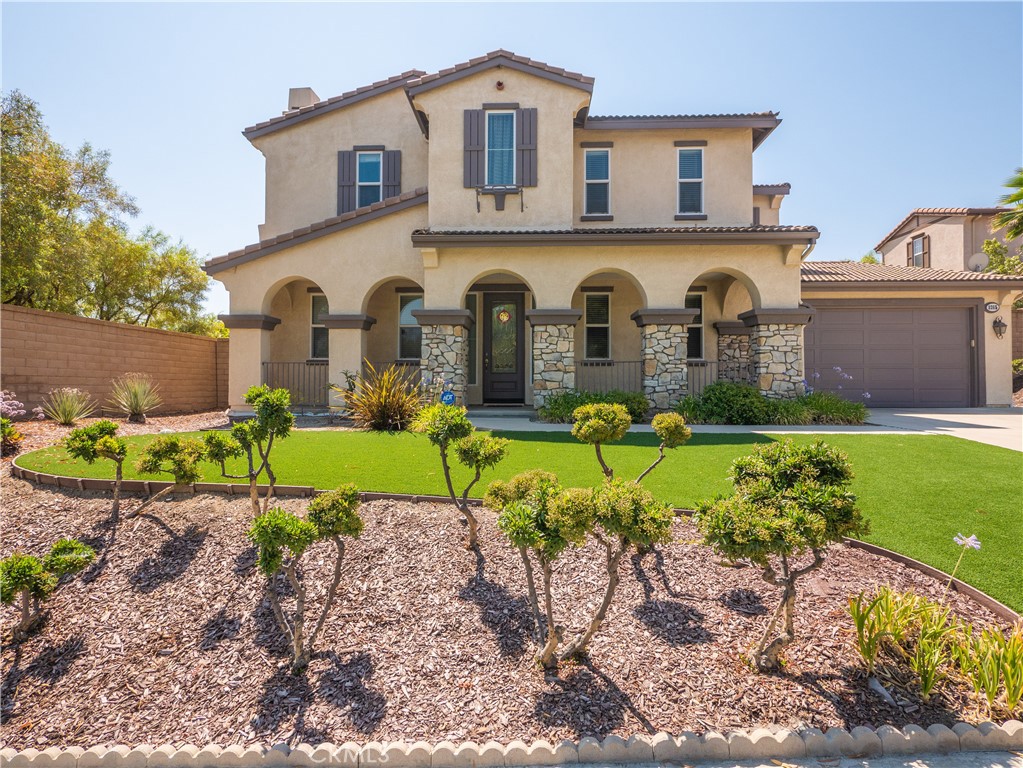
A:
{"points": [[479, 224], [941, 238]]}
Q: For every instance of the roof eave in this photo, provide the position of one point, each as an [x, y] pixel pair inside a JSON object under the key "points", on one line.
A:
{"points": [[514, 239], [583, 83]]}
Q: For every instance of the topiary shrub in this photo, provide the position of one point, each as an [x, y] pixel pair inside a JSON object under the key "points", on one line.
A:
{"points": [[34, 580], [601, 423], [789, 500], [283, 539], [97, 441], [559, 407], [254, 439], [134, 394], [448, 426], [386, 400], [172, 455]]}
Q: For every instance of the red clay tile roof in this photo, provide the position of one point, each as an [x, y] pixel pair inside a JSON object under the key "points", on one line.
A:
{"points": [[856, 272], [762, 123], [425, 82], [722, 116], [319, 229], [335, 102], [772, 189], [938, 212]]}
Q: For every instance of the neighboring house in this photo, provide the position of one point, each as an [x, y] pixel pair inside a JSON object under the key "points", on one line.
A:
{"points": [[941, 238], [554, 249]]}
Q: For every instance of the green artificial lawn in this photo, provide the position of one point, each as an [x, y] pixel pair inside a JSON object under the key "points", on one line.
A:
{"points": [[917, 491]]}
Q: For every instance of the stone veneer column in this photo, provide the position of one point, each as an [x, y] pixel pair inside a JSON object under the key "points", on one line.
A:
{"points": [[734, 362], [665, 370], [553, 351], [776, 348], [445, 347], [248, 350]]}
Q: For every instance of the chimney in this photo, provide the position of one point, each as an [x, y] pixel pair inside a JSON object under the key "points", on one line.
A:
{"points": [[301, 97]]}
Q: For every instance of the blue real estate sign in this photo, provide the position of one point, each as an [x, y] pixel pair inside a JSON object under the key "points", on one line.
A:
{"points": [[448, 398]]}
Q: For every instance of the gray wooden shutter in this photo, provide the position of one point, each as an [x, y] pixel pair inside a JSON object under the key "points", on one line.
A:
{"points": [[909, 252], [346, 192], [475, 136], [525, 147], [392, 173]]}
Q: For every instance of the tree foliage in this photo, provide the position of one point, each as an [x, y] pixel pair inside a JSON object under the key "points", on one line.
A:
{"points": [[98, 441], [1001, 263], [34, 579], [1012, 220], [65, 241]]}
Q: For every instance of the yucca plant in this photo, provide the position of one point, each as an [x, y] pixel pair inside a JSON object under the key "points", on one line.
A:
{"points": [[66, 405], [384, 400], [135, 394]]}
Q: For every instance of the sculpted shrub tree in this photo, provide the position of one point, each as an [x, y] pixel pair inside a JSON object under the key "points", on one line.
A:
{"points": [[601, 423], [283, 538], [97, 441], [789, 501], [172, 455], [34, 580], [448, 426], [672, 430], [254, 439], [541, 520]]}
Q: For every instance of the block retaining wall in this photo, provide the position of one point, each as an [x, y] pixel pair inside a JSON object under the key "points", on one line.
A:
{"points": [[758, 744], [45, 350], [1017, 334]]}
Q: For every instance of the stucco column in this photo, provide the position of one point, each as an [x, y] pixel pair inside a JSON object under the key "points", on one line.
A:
{"points": [[553, 351], [776, 348], [346, 343], [247, 350], [733, 352], [445, 348], [665, 370]]}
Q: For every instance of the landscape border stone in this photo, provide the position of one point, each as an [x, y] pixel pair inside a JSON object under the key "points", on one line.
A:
{"points": [[756, 744]]}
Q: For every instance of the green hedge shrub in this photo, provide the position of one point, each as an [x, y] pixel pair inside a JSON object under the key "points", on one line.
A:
{"points": [[725, 402], [559, 407]]}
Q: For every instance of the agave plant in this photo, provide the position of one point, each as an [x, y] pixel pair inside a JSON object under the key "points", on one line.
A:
{"points": [[134, 394]]}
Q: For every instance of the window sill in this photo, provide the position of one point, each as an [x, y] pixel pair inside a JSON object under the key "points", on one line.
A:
{"points": [[408, 361], [317, 360], [597, 361], [597, 217], [690, 217]]}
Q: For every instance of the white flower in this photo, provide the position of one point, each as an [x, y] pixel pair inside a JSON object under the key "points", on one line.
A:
{"points": [[963, 541]]}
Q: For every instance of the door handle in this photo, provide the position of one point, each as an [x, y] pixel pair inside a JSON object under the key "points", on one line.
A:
{"points": [[486, 363]]}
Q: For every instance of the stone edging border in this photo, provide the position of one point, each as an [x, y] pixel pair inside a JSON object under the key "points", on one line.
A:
{"points": [[237, 489], [759, 744]]}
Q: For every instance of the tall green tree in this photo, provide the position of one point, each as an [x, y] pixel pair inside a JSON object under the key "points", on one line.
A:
{"points": [[1012, 220]]}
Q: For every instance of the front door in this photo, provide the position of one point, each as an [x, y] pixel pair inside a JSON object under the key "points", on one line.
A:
{"points": [[504, 373]]}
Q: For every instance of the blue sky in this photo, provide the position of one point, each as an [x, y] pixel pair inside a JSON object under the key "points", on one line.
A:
{"points": [[886, 106]]}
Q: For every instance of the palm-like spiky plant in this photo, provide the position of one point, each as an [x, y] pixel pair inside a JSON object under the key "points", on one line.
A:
{"points": [[1012, 220]]}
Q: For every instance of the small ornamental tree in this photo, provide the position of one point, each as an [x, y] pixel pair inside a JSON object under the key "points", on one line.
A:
{"points": [[789, 500], [541, 519], [254, 439], [34, 580], [448, 426], [600, 423], [672, 430], [97, 441], [283, 538], [172, 455]]}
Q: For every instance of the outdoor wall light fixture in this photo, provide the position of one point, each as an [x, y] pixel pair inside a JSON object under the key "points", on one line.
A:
{"points": [[999, 326]]}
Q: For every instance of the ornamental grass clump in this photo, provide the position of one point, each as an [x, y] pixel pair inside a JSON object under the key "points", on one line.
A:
{"points": [[34, 580], [386, 400], [283, 538], [448, 427], [66, 405], [789, 501], [542, 520], [254, 439], [135, 394], [172, 455], [97, 441]]}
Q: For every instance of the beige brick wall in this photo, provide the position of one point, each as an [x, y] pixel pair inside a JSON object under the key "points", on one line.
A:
{"points": [[40, 351], [1017, 334]]}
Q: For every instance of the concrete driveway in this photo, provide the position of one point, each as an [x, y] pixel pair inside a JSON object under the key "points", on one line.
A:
{"points": [[995, 426]]}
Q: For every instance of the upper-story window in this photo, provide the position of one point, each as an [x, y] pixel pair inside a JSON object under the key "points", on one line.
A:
{"points": [[919, 251], [318, 346], [690, 181], [500, 149], [370, 181], [598, 182]]}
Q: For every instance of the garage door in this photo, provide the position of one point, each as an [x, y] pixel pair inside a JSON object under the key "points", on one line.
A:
{"points": [[902, 357]]}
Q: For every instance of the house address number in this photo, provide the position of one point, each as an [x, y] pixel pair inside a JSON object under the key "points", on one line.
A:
{"points": [[992, 306]]}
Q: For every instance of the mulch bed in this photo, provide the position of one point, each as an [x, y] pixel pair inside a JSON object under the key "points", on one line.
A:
{"points": [[169, 637]]}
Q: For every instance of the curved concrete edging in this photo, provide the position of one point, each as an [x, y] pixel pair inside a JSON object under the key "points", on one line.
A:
{"points": [[239, 489], [759, 744]]}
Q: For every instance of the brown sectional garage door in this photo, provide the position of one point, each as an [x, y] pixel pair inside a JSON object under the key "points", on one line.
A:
{"points": [[919, 357]]}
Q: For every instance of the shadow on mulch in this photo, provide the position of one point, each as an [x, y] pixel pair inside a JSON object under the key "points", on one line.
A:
{"points": [[744, 601], [588, 702], [504, 614], [50, 665], [218, 629], [176, 554], [245, 560], [673, 621], [269, 635]]}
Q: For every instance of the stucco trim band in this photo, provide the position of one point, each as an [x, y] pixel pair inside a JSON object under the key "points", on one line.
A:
{"points": [[688, 236], [731, 327], [361, 321], [777, 316], [460, 317], [664, 316], [553, 316], [262, 322]]}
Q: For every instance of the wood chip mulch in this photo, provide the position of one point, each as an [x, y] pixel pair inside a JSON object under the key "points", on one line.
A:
{"points": [[169, 637]]}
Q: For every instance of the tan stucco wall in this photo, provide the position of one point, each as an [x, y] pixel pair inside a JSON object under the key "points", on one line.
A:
{"points": [[997, 353], [547, 205], [626, 338], [644, 177], [953, 241], [385, 307], [291, 341], [769, 216], [301, 161]]}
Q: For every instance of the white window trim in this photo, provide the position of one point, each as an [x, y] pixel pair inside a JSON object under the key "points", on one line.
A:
{"points": [[313, 324], [486, 146], [397, 340], [703, 335], [587, 325], [359, 183], [587, 182], [679, 180]]}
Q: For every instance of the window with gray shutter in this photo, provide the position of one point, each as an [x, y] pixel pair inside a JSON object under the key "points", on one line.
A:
{"points": [[346, 178], [392, 173], [525, 146], [475, 137]]}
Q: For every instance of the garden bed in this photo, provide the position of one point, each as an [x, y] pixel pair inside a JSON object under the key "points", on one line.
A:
{"points": [[170, 639]]}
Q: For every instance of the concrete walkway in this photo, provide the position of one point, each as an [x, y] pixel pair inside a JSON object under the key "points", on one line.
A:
{"points": [[1002, 427], [960, 760]]}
